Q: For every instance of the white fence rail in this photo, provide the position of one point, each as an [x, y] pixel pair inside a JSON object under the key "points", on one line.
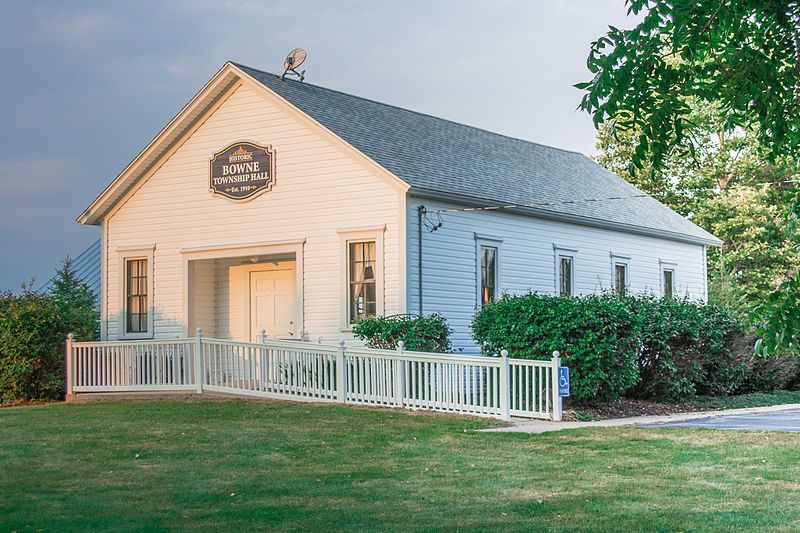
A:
{"points": [[130, 366], [498, 387]]}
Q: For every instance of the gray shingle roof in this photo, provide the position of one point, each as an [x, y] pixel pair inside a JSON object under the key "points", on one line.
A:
{"points": [[437, 155]]}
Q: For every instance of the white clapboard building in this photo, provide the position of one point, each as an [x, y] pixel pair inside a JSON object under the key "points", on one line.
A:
{"points": [[298, 209]]}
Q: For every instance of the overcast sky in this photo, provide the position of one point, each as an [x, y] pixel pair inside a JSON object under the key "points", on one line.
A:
{"points": [[85, 86]]}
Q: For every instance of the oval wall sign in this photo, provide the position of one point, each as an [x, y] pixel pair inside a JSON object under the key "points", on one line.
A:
{"points": [[242, 170]]}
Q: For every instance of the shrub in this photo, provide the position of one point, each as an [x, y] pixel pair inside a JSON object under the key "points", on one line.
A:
{"points": [[32, 331], [596, 335], [686, 348], [765, 374], [31, 347], [638, 346], [419, 333]]}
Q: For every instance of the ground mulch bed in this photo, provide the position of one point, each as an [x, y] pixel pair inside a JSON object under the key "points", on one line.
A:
{"points": [[626, 408]]}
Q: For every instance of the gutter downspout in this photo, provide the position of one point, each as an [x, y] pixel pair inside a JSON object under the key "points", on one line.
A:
{"points": [[421, 210]]}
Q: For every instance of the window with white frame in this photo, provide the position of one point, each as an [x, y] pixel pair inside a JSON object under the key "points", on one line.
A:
{"points": [[136, 293], [619, 272], [362, 280], [488, 268], [362, 274], [565, 271], [488, 274], [667, 279]]}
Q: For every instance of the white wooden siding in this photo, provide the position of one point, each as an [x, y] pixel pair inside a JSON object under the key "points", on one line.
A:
{"points": [[319, 189], [203, 293], [527, 261]]}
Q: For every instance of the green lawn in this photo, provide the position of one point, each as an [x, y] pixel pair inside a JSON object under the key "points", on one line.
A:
{"points": [[254, 465], [755, 399]]}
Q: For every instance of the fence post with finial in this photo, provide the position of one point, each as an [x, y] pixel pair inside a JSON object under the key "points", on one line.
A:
{"points": [[341, 374], [68, 364], [555, 388], [505, 386], [399, 375], [198, 360]]}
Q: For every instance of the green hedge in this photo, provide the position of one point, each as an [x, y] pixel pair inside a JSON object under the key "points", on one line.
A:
{"points": [[32, 333], [596, 335], [687, 348], [33, 327], [640, 346], [428, 333]]}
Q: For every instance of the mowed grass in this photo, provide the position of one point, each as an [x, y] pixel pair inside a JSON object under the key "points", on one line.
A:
{"points": [[755, 399], [281, 466]]}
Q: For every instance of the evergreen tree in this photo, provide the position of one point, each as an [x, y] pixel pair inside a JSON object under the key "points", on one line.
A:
{"points": [[77, 301]]}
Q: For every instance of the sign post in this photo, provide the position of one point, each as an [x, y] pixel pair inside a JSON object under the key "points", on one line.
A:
{"points": [[555, 363]]}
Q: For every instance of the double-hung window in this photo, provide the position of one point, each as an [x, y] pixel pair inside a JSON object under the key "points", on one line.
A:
{"points": [[362, 274], [488, 274], [619, 271], [565, 271], [667, 279], [136, 293], [362, 280], [136, 296], [488, 268]]}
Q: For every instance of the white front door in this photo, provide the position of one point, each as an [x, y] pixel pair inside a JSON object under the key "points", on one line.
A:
{"points": [[272, 303]]}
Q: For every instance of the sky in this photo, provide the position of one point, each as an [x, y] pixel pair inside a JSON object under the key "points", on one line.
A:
{"points": [[85, 86]]}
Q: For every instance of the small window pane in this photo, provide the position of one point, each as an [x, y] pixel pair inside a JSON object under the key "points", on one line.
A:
{"points": [[565, 276], [362, 280], [488, 274], [669, 283], [620, 278], [136, 297]]}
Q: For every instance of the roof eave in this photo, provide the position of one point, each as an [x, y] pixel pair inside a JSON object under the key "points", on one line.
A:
{"points": [[565, 217]]}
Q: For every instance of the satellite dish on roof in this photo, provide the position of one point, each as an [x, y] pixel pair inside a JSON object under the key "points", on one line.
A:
{"points": [[292, 61]]}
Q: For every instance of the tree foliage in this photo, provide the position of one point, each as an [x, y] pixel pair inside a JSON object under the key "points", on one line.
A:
{"points": [[729, 188], [687, 65], [743, 56], [777, 319], [32, 334], [77, 302], [33, 327]]}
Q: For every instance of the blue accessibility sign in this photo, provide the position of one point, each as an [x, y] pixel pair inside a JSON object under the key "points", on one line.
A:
{"points": [[563, 381]]}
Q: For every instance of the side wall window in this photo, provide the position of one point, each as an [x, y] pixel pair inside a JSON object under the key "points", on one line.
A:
{"points": [[668, 280], [136, 298], [620, 273], [565, 265], [488, 263], [136, 293], [361, 260], [669, 283], [565, 270], [362, 280], [488, 274]]}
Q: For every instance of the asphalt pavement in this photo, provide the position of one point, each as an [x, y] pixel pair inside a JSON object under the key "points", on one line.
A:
{"points": [[788, 420]]}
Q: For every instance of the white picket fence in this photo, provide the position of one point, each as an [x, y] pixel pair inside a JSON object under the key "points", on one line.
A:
{"points": [[498, 387]]}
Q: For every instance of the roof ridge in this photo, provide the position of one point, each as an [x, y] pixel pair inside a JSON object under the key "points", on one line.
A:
{"points": [[240, 65]]}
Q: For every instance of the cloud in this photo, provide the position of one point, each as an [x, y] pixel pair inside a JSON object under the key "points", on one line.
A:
{"points": [[24, 183], [72, 26]]}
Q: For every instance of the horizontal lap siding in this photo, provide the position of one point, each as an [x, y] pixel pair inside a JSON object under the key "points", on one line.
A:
{"points": [[204, 274], [527, 261], [319, 189]]}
